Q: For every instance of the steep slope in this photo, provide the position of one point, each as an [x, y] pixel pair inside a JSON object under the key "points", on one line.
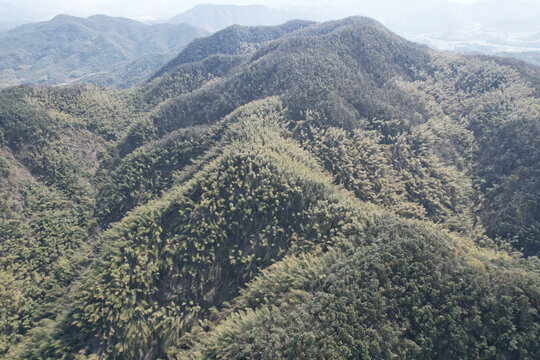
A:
{"points": [[305, 191], [167, 265], [98, 49], [233, 41], [353, 84], [410, 293], [293, 67], [249, 207], [51, 140], [421, 105]]}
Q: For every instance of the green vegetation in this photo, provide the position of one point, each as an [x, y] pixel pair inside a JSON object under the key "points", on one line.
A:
{"points": [[307, 191], [101, 50], [399, 291]]}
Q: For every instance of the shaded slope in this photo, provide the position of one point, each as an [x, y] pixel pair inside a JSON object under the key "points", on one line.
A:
{"points": [[357, 63], [195, 247], [42, 242], [235, 40], [224, 209], [421, 104], [51, 140], [412, 294]]}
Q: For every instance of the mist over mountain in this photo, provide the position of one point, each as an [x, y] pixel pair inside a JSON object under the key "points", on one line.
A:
{"points": [[100, 49], [12, 16], [509, 28], [308, 190], [215, 17], [50, 53], [485, 26]]}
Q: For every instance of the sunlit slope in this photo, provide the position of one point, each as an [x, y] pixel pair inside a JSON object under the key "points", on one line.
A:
{"points": [[321, 190], [387, 286]]}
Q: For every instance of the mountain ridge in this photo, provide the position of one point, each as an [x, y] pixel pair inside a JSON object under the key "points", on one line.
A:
{"points": [[67, 48], [331, 192]]}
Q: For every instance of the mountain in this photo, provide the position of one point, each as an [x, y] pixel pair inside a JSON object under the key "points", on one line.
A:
{"points": [[483, 27], [100, 49], [213, 17], [312, 190]]}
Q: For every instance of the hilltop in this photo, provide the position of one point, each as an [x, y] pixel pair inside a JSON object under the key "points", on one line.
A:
{"points": [[100, 49]]}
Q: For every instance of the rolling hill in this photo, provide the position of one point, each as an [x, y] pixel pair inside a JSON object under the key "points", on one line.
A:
{"points": [[100, 49], [312, 190]]}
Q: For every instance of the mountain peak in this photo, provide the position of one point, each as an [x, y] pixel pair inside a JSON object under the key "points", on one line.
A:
{"points": [[237, 40], [63, 17]]}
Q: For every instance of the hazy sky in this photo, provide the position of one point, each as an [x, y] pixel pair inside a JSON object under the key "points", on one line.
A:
{"points": [[490, 25], [168, 8]]}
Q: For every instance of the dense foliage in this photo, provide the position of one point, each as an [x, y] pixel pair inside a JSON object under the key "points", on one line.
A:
{"points": [[304, 191]]}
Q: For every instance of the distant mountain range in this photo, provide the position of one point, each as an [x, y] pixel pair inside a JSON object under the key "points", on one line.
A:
{"points": [[100, 49], [214, 17], [121, 52], [508, 28]]}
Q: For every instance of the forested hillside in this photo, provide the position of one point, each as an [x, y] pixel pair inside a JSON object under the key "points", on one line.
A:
{"points": [[102, 50], [306, 191]]}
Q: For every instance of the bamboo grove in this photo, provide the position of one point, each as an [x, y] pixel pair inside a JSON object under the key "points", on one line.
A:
{"points": [[306, 191]]}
